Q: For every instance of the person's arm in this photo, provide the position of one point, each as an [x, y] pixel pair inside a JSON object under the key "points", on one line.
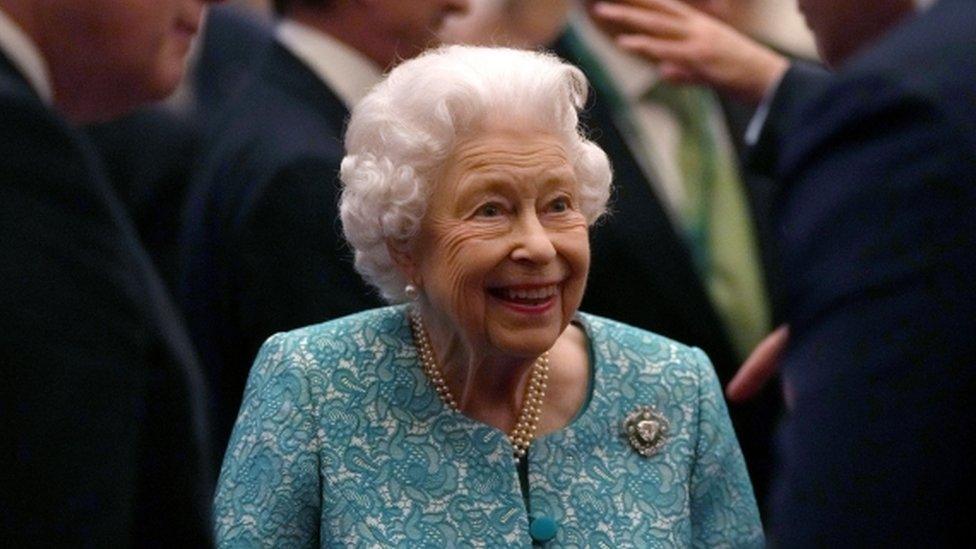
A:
{"points": [[723, 507], [691, 47], [269, 490]]}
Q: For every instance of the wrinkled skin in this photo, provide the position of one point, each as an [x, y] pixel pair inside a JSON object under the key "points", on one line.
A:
{"points": [[504, 213]]}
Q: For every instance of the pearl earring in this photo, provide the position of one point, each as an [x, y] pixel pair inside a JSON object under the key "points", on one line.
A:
{"points": [[411, 292]]}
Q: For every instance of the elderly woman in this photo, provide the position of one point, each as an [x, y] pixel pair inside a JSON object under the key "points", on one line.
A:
{"points": [[485, 410]]}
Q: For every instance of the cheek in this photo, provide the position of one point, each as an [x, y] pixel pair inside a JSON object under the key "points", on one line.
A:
{"points": [[145, 49], [458, 259], [572, 242], [574, 247]]}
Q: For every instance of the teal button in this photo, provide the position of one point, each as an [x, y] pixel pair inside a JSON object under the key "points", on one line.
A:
{"points": [[542, 529]]}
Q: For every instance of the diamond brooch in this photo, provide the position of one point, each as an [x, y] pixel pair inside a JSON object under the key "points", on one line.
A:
{"points": [[646, 430]]}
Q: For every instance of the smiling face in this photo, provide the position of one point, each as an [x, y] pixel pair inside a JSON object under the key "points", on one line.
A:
{"points": [[503, 253]]}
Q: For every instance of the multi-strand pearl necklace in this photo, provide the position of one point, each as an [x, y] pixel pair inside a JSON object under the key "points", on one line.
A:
{"points": [[528, 420]]}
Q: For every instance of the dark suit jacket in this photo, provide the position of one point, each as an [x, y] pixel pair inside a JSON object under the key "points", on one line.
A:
{"points": [[263, 250], [234, 39], [642, 272], [801, 83], [148, 157], [879, 250], [150, 154], [101, 401]]}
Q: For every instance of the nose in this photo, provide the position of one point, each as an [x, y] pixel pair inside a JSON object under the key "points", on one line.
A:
{"points": [[533, 244]]}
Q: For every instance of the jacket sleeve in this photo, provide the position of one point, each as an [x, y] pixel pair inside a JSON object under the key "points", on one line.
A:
{"points": [[268, 494], [723, 507]]}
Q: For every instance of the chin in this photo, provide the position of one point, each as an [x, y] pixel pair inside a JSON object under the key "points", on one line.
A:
{"points": [[526, 343], [168, 78]]}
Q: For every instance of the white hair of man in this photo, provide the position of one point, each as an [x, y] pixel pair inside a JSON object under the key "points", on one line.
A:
{"points": [[400, 136]]}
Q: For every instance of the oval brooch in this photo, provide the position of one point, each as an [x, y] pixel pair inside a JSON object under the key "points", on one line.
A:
{"points": [[646, 430]]}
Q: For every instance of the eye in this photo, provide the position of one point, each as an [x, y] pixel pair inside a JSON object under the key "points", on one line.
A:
{"points": [[560, 205], [491, 209]]}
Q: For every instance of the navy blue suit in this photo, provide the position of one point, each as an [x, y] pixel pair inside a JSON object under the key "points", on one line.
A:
{"points": [[101, 404], [262, 245], [148, 157], [801, 83], [234, 39], [879, 251]]}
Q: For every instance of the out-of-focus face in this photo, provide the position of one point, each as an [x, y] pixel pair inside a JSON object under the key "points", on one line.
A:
{"points": [[503, 253], [844, 27], [107, 56], [414, 24]]}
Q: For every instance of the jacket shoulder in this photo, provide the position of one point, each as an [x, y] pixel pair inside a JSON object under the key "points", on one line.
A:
{"points": [[355, 340], [630, 339]]}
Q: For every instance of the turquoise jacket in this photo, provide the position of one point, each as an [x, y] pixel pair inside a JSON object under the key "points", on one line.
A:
{"points": [[342, 441]]}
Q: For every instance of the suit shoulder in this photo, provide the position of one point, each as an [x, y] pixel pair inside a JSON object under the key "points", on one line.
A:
{"points": [[28, 122], [271, 119], [874, 105]]}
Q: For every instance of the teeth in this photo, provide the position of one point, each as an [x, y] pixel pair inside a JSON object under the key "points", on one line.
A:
{"points": [[534, 293]]}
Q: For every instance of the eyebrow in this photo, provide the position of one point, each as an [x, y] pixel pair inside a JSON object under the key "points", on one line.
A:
{"points": [[487, 184]]}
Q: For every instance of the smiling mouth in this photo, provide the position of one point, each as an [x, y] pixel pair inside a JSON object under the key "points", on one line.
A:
{"points": [[526, 298]]}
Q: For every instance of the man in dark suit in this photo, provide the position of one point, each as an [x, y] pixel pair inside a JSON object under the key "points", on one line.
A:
{"points": [[149, 155], [879, 254], [101, 402], [262, 247], [682, 288]]}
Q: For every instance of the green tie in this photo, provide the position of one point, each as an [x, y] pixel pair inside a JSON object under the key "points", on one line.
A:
{"points": [[716, 217]]}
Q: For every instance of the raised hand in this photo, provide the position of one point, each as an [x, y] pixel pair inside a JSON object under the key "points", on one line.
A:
{"points": [[692, 47]]}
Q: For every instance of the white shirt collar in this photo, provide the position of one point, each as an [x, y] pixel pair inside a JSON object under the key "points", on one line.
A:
{"points": [[23, 53], [348, 72], [632, 75]]}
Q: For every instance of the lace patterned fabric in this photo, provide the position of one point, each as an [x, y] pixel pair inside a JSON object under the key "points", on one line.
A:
{"points": [[342, 441]]}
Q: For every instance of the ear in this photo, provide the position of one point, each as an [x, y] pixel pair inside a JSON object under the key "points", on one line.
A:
{"points": [[403, 257]]}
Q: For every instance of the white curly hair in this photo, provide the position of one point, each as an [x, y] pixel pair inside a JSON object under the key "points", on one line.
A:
{"points": [[400, 135]]}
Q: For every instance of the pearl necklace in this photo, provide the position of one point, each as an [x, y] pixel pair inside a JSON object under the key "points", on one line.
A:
{"points": [[528, 420]]}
